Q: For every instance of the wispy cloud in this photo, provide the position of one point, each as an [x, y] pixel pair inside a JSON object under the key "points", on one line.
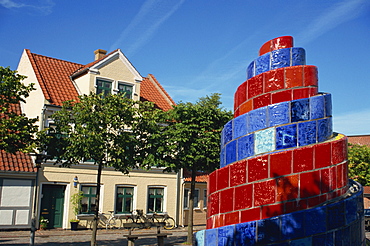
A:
{"points": [[152, 14], [333, 17], [44, 7], [353, 123]]}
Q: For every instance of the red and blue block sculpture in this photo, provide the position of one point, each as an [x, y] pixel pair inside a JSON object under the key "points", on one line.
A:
{"points": [[283, 172]]}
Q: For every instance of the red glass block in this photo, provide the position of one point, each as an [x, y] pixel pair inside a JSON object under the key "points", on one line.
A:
{"points": [[295, 206], [236, 113], [265, 48], [310, 75], [326, 180], [243, 197], [226, 200], [322, 155], [312, 91], [264, 192], [274, 80], [212, 182], [242, 92], [293, 76], [246, 107], [282, 96], [255, 86], [250, 215], [261, 100], [232, 218], [287, 188], [209, 223], [257, 168], [238, 173], [310, 184], [314, 201], [236, 100], [333, 173], [340, 175], [282, 42], [213, 204], [223, 178], [219, 220], [302, 159], [281, 163], [272, 210], [339, 151], [300, 93]]}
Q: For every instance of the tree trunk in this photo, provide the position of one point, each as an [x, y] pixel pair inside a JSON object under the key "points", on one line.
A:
{"points": [[96, 215], [191, 206]]}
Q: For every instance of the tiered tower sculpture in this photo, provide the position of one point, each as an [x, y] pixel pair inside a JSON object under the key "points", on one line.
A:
{"points": [[283, 172]]}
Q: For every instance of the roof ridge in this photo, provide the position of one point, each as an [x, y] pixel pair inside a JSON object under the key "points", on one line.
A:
{"points": [[162, 89]]}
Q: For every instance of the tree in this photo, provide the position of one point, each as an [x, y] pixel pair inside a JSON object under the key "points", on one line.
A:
{"points": [[359, 163], [16, 130], [113, 131], [190, 139]]}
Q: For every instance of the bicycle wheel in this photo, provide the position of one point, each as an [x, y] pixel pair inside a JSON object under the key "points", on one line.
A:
{"points": [[170, 223], [111, 222]]}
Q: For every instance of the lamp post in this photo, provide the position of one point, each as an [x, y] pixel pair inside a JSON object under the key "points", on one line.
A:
{"points": [[38, 161]]}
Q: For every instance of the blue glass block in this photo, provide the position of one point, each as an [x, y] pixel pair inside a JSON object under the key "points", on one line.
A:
{"points": [[228, 131], [298, 57], [257, 119], [342, 237], [269, 230], [264, 141], [226, 235], [250, 70], [278, 114], [315, 221], [328, 105], [280, 58], [355, 233], [222, 157], [280, 244], [245, 146], [336, 215], [199, 238], [211, 236], [323, 129], [351, 210], [240, 126], [302, 242], [245, 234], [230, 152], [292, 225], [286, 136], [306, 133], [326, 239], [300, 110], [317, 107], [263, 63]]}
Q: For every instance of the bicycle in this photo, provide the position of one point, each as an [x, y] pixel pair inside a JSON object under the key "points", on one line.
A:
{"points": [[168, 220], [110, 221], [138, 217]]}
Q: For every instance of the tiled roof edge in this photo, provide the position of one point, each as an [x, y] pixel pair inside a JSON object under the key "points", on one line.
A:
{"points": [[162, 89]]}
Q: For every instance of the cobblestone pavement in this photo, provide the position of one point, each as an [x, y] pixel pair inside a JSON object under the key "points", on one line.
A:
{"points": [[60, 237]]}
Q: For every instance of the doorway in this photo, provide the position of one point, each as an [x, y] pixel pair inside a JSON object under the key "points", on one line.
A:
{"points": [[52, 204]]}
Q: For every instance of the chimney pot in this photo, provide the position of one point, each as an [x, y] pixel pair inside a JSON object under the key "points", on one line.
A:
{"points": [[99, 53]]}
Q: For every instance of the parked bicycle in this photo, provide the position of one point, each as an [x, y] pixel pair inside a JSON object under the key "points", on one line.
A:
{"points": [[110, 222], [168, 220], [146, 221]]}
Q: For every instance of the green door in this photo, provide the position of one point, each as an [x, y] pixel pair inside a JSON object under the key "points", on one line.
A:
{"points": [[52, 204]]}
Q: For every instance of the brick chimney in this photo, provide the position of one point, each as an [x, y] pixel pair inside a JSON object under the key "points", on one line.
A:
{"points": [[99, 53]]}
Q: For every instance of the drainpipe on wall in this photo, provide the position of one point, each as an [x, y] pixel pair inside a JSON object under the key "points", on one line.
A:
{"points": [[178, 199]]}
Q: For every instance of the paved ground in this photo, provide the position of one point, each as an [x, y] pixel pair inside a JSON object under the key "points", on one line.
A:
{"points": [[83, 237], [113, 237]]}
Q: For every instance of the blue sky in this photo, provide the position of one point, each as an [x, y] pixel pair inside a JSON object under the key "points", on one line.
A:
{"points": [[198, 47]]}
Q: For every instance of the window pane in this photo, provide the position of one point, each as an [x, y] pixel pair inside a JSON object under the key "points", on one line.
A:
{"points": [[104, 87], [196, 198], [126, 90], [186, 198], [155, 199], [204, 198]]}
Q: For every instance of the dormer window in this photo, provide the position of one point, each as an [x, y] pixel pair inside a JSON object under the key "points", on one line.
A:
{"points": [[104, 87], [125, 89]]}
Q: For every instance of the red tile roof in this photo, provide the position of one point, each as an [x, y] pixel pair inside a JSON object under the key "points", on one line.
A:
{"points": [[18, 162], [53, 76], [359, 139], [151, 90], [201, 177], [366, 189]]}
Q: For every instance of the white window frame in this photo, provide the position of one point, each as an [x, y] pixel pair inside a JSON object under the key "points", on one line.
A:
{"points": [[164, 205], [133, 197]]}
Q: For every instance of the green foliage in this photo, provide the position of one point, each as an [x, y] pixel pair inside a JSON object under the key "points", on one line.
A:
{"points": [[359, 163], [76, 199], [16, 130], [191, 137], [112, 131]]}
